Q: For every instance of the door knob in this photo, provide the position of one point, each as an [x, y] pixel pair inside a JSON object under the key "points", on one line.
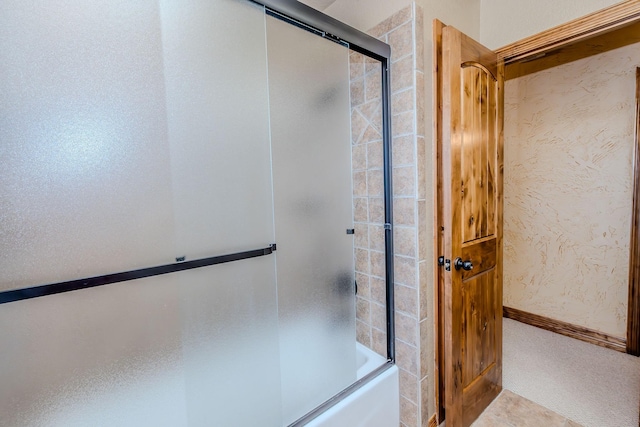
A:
{"points": [[465, 265]]}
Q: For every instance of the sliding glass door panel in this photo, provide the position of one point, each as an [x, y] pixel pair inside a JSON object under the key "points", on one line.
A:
{"points": [[218, 125], [195, 348], [132, 135], [311, 152], [85, 187], [230, 344], [103, 356]]}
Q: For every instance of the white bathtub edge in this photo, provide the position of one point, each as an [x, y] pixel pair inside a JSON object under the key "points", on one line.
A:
{"points": [[375, 404]]}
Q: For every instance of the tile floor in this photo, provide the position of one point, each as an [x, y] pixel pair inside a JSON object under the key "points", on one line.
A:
{"points": [[511, 410]]}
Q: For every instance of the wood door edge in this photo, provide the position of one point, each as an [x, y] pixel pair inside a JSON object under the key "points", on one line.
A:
{"points": [[450, 83], [438, 223], [633, 309], [567, 329]]}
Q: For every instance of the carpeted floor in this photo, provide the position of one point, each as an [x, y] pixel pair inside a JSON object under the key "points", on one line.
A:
{"points": [[594, 386]]}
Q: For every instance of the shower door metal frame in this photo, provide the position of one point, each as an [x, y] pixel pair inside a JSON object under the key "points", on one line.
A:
{"points": [[309, 19]]}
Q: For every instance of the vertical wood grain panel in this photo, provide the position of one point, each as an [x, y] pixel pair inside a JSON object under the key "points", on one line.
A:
{"points": [[491, 160], [489, 341], [467, 326], [482, 164], [484, 332], [468, 87], [476, 143], [478, 127], [470, 321], [479, 322]]}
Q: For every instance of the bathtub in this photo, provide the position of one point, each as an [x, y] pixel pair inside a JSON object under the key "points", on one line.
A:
{"points": [[375, 404]]}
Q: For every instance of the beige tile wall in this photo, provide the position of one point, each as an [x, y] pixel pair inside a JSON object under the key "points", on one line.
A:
{"points": [[414, 341], [368, 202]]}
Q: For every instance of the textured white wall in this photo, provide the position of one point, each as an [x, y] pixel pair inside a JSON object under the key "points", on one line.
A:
{"points": [[364, 14], [462, 14], [569, 135], [506, 21]]}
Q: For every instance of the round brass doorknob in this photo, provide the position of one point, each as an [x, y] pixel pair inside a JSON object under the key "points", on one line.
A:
{"points": [[465, 265]]}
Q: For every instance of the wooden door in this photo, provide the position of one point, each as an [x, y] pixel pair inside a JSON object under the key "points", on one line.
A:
{"points": [[471, 202]]}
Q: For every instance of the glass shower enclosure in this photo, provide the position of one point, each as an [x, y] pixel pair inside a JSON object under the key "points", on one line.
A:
{"points": [[176, 214]]}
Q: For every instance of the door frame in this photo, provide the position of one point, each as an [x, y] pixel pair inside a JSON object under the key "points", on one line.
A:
{"points": [[563, 43], [610, 28], [633, 309]]}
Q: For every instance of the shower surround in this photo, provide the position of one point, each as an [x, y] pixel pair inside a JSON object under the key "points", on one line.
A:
{"points": [[412, 240]]}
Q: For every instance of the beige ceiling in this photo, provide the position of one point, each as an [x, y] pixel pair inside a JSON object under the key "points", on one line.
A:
{"points": [[320, 5]]}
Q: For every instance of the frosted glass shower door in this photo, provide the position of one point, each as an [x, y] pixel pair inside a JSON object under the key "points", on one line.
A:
{"points": [[100, 357], [135, 135], [139, 136], [85, 188], [215, 68], [311, 151], [215, 65]]}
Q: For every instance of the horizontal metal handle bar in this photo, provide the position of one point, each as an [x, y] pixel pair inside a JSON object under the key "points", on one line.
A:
{"points": [[73, 285]]}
